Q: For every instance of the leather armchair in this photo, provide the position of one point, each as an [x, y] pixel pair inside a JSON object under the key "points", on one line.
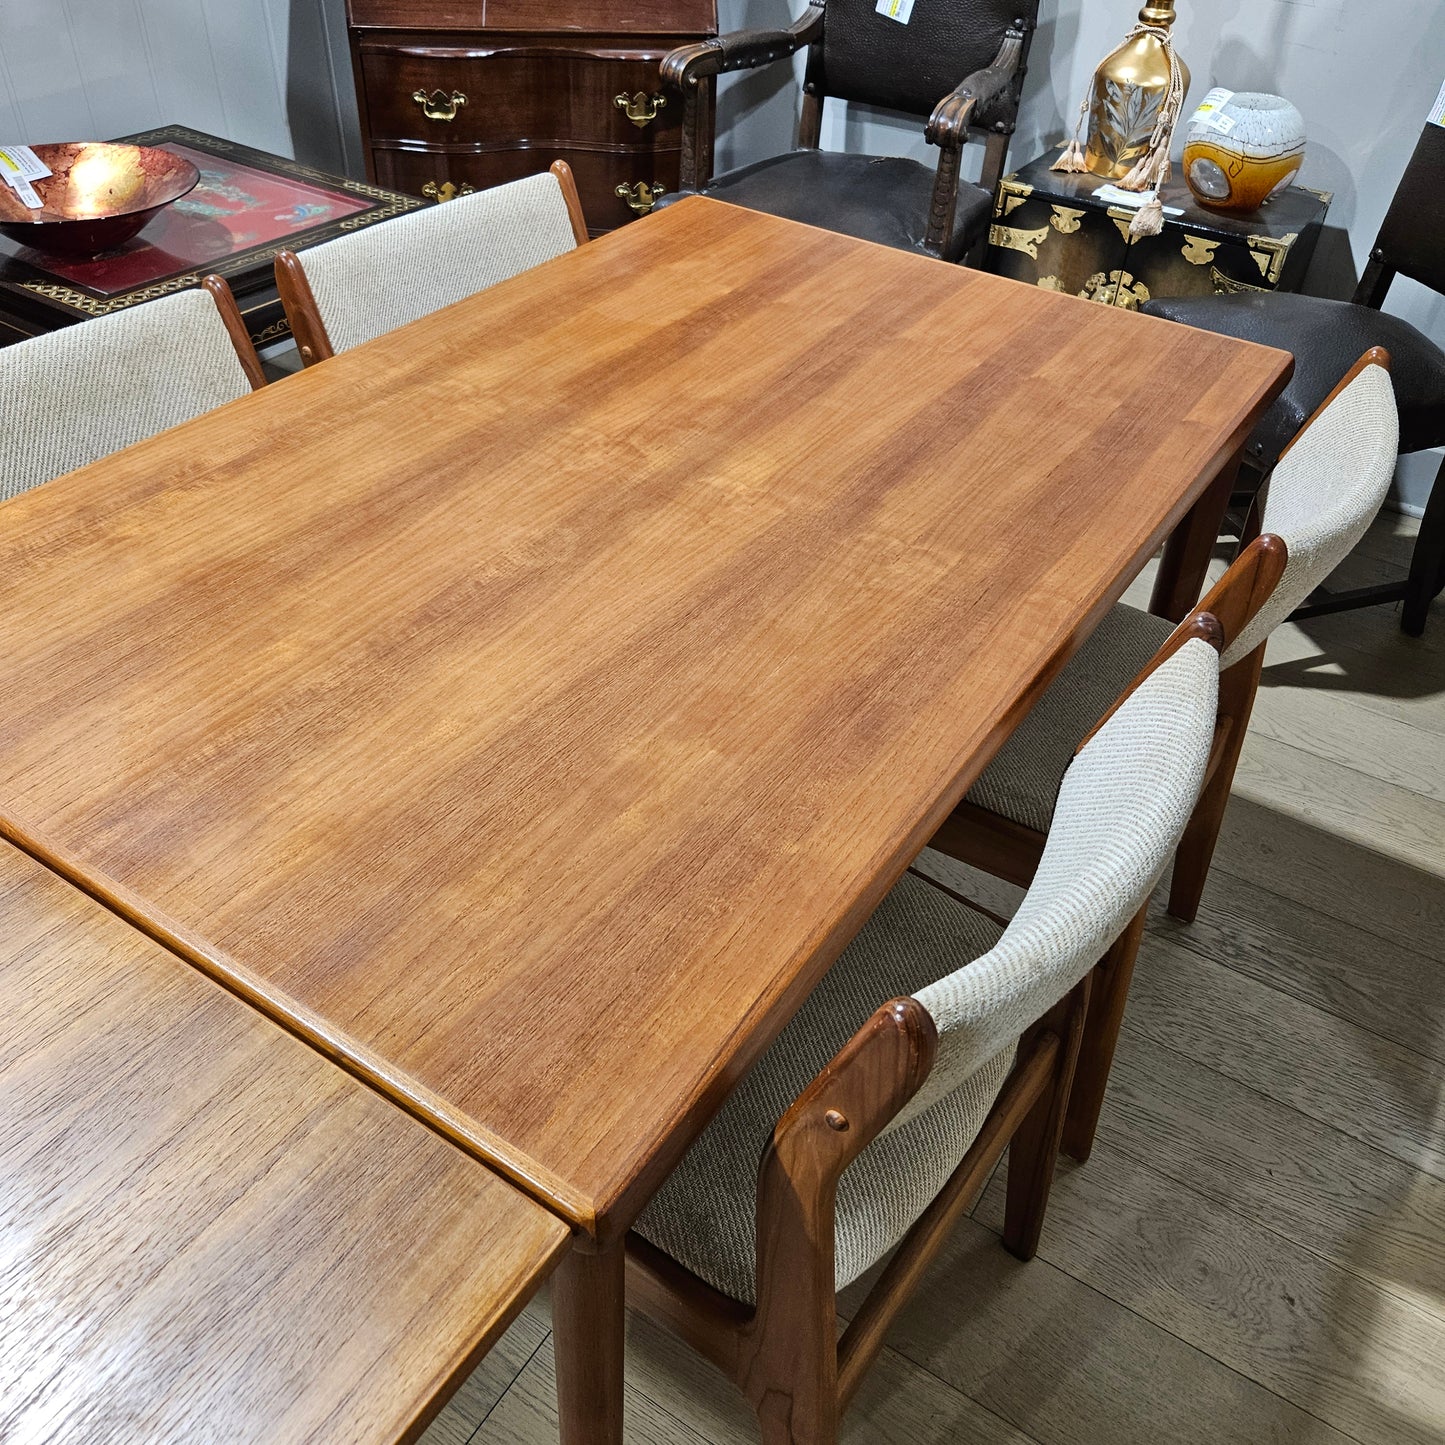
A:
{"points": [[971, 54]]}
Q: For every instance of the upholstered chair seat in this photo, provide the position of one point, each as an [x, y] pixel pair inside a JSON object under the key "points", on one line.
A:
{"points": [[875, 198], [1325, 337], [705, 1215], [957, 67], [1022, 781], [938, 1039]]}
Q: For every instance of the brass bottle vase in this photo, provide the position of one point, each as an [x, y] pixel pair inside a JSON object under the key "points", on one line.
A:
{"points": [[1130, 86]]}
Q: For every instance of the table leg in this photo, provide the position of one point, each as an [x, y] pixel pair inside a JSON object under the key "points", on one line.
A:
{"points": [[588, 1331], [1185, 563]]}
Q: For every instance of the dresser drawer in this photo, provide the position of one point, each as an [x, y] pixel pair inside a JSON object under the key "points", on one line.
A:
{"points": [[533, 92], [598, 174]]}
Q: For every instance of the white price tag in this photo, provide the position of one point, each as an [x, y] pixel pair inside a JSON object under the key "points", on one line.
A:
{"points": [[26, 192], [899, 10], [23, 162], [1115, 196], [19, 165], [1208, 112], [1437, 111]]}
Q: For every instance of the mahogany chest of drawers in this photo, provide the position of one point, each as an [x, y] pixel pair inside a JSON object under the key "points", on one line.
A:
{"points": [[457, 96]]}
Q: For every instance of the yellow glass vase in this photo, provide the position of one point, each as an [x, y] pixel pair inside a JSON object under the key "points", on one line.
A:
{"points": [[1130, 86]]}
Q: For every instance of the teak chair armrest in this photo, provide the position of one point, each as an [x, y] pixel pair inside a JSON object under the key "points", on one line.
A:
{"points": [[231, 318], [784, 1354]]}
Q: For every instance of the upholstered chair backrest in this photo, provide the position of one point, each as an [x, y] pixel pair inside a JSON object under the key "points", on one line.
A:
{"points": [[1121, 810], [876, 60], [1323, 494], [75, 395], [387, 275], [1410, 237]]}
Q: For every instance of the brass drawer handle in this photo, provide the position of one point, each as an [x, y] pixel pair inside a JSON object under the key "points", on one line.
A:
{"points": [[641, 109], [446, 191], [640, 196], [439, 105]]}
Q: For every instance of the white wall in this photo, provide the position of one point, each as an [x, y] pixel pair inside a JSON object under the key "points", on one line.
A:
{"points": [[274, 74], [1362, 72]]}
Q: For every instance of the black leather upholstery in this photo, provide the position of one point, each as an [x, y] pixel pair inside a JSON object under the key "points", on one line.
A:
{"points": [[875, 198], [1410, 239], [869, 58], [1327, 338]]}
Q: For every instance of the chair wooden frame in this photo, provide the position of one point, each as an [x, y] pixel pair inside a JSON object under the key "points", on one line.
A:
{"points": [[693, 70], [784, 1353], [297, 299], [1011, 851], [231, 319]]}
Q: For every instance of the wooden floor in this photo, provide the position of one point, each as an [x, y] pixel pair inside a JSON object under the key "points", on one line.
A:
{"points": [[1256, 1251]]}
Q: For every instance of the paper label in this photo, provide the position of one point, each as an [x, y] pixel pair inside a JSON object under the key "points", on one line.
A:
{"points": [[899, 10], [23, 162], [1437, 111], [1114, 196], [1208, 113]]}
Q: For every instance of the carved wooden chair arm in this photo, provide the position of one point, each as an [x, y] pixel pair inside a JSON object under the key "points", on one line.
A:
{"points": [[741, 49], [948, 125]]}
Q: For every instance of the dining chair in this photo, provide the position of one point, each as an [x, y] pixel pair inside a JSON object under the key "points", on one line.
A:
{"points": [[876, 1125], [75, 395], [357, 287], [1324, 492], [960, 65], [1325, 337]]}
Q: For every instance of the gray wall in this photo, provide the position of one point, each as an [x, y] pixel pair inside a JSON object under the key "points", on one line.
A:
{"points": [[276, 74]]}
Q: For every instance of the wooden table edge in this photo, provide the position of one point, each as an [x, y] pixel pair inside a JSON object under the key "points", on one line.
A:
{"points": [[452, 1374], [573, 1210]]}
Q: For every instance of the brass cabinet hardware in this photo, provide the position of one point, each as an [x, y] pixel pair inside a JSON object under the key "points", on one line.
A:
{"points": [[446, 191], [439, 105], [640, 196], [641, 109]]}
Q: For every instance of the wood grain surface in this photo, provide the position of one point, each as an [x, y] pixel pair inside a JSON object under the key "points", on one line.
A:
{"points": [[208, 1231], [529, 705]]}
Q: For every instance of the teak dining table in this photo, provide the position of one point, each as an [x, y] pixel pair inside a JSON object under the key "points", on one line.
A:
{"points": [[528, 706], [207, 1230]]}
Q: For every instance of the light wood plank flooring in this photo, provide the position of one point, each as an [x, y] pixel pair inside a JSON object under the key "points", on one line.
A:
{"points": [[1256, 1251]]}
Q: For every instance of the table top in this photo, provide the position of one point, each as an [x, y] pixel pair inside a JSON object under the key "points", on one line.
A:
{"points": [[530, 704], [247, 205], [207, 1230]]}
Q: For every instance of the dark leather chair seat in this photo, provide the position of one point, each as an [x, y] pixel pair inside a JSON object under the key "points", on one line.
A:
{"points": [[1326, 338], [875, 198]]}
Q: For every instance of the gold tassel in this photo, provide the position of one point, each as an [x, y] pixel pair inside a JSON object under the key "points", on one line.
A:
{"points": [[1071, 160], [1138, 178], [1148, 219]]}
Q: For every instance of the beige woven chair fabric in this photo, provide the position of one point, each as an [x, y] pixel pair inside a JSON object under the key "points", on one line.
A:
{"points": [[1324, 493], [1022, 781], [380, 278], [1122, 808], [704, 1215], [1321, 499], [80, 393]]}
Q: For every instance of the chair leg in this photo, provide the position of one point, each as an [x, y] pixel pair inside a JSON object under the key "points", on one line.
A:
{"points": [[1101, 1034], [1427, 562], [1035, 1145]]}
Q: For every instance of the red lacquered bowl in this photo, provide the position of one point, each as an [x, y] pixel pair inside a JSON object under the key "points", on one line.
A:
{"points": [[98, 195]]}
